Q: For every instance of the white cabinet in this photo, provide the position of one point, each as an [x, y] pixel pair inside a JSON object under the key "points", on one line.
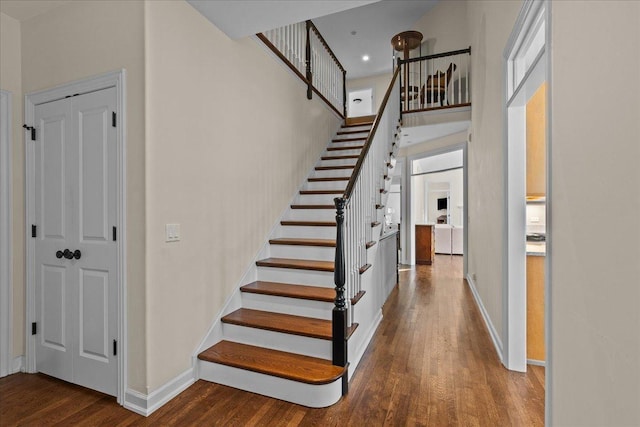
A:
{"points": [[449, 239], [443, 239], [457, 240]]}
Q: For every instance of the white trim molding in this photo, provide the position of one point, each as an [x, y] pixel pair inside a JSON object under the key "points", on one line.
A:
{"points": [[526, 66], [117, 80], [146, 404], [6, 235], [17, 365], [493, 332]]}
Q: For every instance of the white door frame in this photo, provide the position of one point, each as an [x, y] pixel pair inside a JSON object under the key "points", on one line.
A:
{"points": [[527, 64], [408, 250], [6, 235], [115, 79]]}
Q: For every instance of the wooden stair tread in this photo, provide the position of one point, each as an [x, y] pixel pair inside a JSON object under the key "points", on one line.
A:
{"points": [[321, 191], [331, 178], [330, 168], [349, 156], [310, 223], [349, 139], [285, 323], [278, 322], [357, 297], [313, 207], [375, 223], [304, 242], [354, 147], [354, 125], [370, 244], [296, 367], [297, 264], [346, 132], [364, 268], [314, 293]]}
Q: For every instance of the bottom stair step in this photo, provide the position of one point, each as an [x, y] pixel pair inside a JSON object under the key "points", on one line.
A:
{"points": [[305, 369]]}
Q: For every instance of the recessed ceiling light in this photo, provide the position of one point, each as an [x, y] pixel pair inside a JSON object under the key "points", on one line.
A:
{"points": [[365, 58]]}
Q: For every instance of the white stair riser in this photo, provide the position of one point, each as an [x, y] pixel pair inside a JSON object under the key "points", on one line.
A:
{"points": [[355, 143], [314, 396], [360, 134], [303, 252], [311, 215], [294, 276], [331, 173], [363, 128], [342, 152], [325, 185], [316, 199], [307, 232], [307, 346], [337, 162], [284, 305]]}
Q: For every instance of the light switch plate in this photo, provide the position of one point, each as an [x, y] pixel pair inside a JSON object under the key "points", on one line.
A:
{"points": [[172, 232]]}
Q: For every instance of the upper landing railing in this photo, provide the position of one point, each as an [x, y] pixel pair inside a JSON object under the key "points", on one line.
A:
{"points": [[435, 82], [304, 50]]}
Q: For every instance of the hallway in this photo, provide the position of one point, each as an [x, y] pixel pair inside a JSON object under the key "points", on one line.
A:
{"points": [[430, 363]]}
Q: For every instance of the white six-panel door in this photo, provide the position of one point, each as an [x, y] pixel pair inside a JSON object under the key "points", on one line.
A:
{"points": [[75, 209]]}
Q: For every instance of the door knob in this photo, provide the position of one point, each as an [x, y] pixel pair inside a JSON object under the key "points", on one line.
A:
{"points": [[59, 254], [77, 254], [68, 254]]}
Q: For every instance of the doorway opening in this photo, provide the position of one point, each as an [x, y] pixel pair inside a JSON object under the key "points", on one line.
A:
{"points": [[437, 197], [525, 225]]}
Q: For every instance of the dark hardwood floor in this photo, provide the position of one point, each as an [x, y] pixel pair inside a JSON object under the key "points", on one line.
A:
{"points": [[431, 363]]}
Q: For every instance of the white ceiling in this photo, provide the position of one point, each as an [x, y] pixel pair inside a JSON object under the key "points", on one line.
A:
{"points": [[241, 18], [27, 9], [374, 25], [374, 22]]}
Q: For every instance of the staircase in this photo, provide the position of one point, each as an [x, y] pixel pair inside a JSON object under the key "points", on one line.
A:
{"points": [[278, 341]]}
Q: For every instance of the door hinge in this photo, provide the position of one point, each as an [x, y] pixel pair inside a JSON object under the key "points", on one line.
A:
{"points": [[34, 230], [115, 233], [115, 347], [34, 328], [33, 131], [113, 119]]}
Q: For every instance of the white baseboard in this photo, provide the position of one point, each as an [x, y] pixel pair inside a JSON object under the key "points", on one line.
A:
{"points": [[355, 360], [145, 405], [495, 337], [17, 365]]}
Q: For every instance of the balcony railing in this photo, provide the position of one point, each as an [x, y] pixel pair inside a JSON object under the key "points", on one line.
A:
{"points": [[435, 81], [304, 50]]}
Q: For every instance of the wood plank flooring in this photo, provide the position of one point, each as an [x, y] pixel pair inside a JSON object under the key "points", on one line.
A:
{"points": [[431, 363]]}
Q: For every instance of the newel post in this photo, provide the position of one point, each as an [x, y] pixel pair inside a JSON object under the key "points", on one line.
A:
{"points": [[339, 317], [307, 53]]}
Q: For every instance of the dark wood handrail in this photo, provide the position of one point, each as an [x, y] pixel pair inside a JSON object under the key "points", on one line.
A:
{"points": [[372, 134], [436, 55], [308, 78], [279, 54], [325, 44]]}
